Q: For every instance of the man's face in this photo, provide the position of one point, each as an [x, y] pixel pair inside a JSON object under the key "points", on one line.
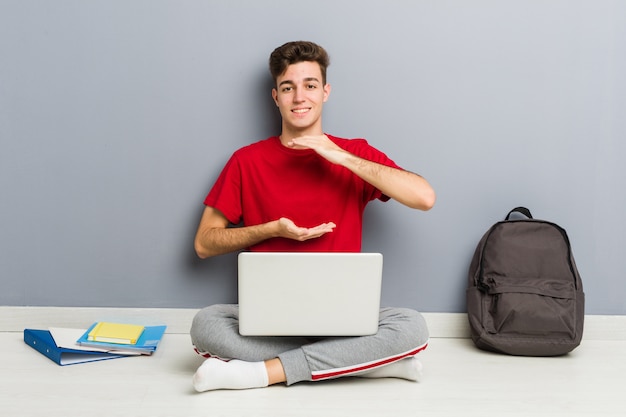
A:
{"points": [[299, 95]]}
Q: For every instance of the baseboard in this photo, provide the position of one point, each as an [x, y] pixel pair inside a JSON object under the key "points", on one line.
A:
{"points": [[597, 327], [178, 320]]}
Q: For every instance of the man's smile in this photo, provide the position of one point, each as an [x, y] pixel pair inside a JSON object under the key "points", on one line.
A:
{"points": [[301, 111]]}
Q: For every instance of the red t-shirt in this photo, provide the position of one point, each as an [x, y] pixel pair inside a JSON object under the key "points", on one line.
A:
{"points": [[265, 181]]}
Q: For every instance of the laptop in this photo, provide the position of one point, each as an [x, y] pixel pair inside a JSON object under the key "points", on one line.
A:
{"points": [[309, 293]]}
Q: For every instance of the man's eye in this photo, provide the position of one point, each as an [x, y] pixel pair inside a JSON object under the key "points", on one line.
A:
{"points": [[311, 86], [286, 89]]}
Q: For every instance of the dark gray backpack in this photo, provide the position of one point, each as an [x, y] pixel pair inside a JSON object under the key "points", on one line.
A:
{"points": [[525, 296]]}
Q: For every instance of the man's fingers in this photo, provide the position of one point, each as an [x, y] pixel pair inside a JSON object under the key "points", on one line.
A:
{"points": [[302, 233], [325, 228], [312, 142], [318, 231]]}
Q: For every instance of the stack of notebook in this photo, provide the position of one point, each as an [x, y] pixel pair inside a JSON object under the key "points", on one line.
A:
{"points": [[102, 340]]}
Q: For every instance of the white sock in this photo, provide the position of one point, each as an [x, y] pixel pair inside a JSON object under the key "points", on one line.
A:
{"points": [[409, 368], [235, 374]]}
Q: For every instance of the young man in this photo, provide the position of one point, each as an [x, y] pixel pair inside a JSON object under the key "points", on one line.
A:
{"points": [[302, 191]]}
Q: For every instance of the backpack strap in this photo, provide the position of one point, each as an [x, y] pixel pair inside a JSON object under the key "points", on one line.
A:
{"points": [[521, 210]]}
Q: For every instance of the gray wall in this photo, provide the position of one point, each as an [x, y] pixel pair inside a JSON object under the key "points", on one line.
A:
{"points": [[116, 117]]}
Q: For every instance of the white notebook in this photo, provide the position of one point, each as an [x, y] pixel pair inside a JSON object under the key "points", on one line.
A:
{"points": [[309, 293]]}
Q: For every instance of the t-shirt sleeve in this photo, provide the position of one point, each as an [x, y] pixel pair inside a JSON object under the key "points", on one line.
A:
{"points": [[362, 149], [226, 192]]}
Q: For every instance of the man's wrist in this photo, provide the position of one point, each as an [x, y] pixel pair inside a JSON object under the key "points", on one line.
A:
{"points": [[272, 229]]}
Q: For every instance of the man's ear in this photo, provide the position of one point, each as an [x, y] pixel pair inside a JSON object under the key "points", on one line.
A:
{"points": [[326, 92], [275, 96]]}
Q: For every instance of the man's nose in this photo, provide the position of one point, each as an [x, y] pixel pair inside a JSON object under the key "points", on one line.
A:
{"points": [[298, 95]]}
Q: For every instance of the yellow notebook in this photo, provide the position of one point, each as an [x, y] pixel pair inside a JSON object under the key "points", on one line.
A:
{"points": [[126, 334]]}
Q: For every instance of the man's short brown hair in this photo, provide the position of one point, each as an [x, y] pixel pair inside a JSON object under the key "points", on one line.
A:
{"points": [[295, 52]]}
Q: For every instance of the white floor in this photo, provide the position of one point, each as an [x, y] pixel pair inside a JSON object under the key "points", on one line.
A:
{"points": [[459, 380]]}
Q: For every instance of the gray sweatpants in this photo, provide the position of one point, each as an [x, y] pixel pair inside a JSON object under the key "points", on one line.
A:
{"points": [[402, 333]]}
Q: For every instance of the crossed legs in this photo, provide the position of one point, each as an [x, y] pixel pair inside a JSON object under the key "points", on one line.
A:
{"points": [[262, 361]]}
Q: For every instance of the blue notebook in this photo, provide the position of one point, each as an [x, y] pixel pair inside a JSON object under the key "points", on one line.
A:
{"points": [[43, 342], [146, 344]]}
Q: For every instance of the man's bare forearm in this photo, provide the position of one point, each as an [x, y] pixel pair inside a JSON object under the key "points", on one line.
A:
{"points": [[215, 239], [405, 187], [212, 241]]}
